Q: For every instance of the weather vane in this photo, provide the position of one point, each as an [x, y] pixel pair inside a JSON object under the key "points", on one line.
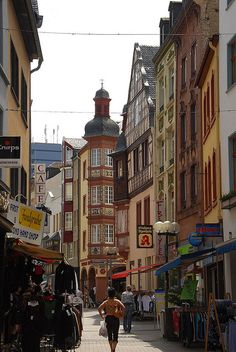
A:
{"points": [[102, 80]]}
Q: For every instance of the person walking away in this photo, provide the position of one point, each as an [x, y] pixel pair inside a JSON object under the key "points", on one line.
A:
{"points": [[92, 298], [127, 298], [111, 310]]}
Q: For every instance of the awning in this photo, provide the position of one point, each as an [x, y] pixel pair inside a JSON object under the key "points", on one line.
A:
{"points": [[185, 259], [36, 251], [141, 269], [226, 246]]}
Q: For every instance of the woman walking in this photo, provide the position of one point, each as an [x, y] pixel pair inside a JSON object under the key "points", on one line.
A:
{"points": [[111, 310]]}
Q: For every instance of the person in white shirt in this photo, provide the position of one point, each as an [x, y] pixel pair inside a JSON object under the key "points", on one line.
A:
{"points": [[127, 298]]}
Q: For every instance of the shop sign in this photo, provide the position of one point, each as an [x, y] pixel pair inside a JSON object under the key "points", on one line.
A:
{"points": [[160, 212], [40, 183], [10, 151], [189, 290], [144, 236], [28, 222], [209, 230]]}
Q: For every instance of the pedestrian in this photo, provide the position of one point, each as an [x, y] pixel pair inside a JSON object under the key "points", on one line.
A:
{"points": [[111, 310], [92, 298], [127, 298]]}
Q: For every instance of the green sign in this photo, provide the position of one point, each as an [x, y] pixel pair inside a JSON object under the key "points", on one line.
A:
{"points": [[187, 248], [189, 290]]}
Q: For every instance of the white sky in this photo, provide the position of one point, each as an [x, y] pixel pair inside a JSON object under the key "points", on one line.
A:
{"points": [[74, 65]]}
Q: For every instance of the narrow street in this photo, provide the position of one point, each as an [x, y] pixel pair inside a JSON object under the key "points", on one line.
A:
{"points": [[143, 338]]}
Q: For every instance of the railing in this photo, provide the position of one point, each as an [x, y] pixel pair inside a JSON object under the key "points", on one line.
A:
{"points": [[140, 179]]}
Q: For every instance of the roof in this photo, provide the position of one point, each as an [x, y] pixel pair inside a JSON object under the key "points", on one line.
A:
{"points": [[101, 127], [147, 54], [76, 143], [101, 93]]}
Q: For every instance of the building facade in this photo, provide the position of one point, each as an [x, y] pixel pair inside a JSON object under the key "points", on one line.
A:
{"points": [[227, 70]]}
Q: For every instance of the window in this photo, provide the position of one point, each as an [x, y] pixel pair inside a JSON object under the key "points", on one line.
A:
{"points": [[109, 233], [183, 189], [204, 114], [84, 241], [138, 213], [147, 211], [161, 94], [212, 96], [68, 173], [84, 170], [14, 181], [206, 186], [68, 221], [171, 82], [193, 182], [70, 250], [193, 121], [162, 156], [108, 159], [208, 108], [214, 177], [232, 62], [68, 191], [172, 148], [119, 168], [69, 153], [183, 130], [183, 72], [14, 72], [232, 162], [193, 59], [23, 186], [1, 32], [84, 205], [108, 194], [209, 184], [95, 234], [145, 154], [24, 108], [96, 195], [96, 157], [136, 160]]}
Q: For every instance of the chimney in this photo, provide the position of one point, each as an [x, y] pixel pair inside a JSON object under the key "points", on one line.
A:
{"points": [[174, 10], [164, 29]]}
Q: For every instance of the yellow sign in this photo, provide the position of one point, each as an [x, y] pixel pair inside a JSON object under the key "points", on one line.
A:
{"points": [[30, 218]]}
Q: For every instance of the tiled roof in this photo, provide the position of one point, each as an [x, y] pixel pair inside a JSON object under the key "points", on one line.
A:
{"points": [[76, 143], [147, 54], [101, 127]]}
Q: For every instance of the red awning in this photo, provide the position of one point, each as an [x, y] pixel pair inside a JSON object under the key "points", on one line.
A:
{"points": [[141, 269]]}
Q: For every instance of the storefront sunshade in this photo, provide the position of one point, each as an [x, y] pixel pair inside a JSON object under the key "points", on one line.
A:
{"points": [[141, 269], [36, 252], [226, 246], [185, 259]]}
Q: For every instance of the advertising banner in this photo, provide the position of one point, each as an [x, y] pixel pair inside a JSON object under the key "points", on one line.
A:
{"points": [[40, 183], [144, 236], [28, 222], [10, 151]]}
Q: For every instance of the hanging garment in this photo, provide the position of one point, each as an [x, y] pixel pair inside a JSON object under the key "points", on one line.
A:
{"points": [[65, 328], [146, 299], [65, 279]]}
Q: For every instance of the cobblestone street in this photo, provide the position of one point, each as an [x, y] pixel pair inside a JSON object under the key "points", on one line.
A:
{"points": [[144, 337]]}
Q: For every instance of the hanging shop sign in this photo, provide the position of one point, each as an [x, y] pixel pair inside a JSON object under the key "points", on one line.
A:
{"points": [[188, 292], [144, 236], [10, 151], [194, 239], [208, 230], [28, 222], [40, 183]]}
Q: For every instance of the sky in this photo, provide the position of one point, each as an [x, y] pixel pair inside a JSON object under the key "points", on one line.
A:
{"points": [[74, 65]]}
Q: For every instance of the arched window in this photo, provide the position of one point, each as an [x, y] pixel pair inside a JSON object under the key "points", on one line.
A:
{"points": [[206, 187], [209, 184], [212, 96], [214, 179]]}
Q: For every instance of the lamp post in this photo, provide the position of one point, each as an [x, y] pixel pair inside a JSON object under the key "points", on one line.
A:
{"points": [[110, 251], [166, 229]]}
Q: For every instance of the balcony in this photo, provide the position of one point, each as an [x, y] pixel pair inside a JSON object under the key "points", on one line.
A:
{"points": [[140, 179]]}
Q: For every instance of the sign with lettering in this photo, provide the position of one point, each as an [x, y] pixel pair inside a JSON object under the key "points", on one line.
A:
{"points": [[160, 216], [144, 236], [28, 222], [209, 230], [10, 151], [40, 183]]}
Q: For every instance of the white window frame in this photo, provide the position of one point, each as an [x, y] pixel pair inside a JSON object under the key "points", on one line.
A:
{"points": [[96, 195], [69, 153], [68, 221], [70, 250], [108, 159], [108, 194], [171, 81], [95, 233], [109, 233], [68, 173], [96, 157]]}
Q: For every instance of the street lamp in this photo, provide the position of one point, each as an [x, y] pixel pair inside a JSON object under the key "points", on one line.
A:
{"points": [[166, 229], [110, 251]]}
